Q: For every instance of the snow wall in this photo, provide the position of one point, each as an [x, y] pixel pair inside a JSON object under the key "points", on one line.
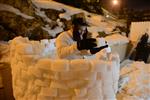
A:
{"points": [[38, 77], [138, 29]]}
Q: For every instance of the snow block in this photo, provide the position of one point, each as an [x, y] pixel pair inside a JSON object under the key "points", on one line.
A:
{"points": [[44, 64], [52, 92], [81, 92], [25, 49], [28, 59], [58, 85], [42, 97], [65, 93], [60, 65], [97, 65], [79, 65]]}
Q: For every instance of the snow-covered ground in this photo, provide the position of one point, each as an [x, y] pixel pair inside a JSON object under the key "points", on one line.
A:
{"points": [[136, 75], [97, 23]]}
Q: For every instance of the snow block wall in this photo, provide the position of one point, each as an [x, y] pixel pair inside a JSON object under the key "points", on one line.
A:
{"points": [[138, 29], [36, 77]]}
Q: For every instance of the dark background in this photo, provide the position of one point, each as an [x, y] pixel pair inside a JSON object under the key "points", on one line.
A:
{"points": [[131, 4]]}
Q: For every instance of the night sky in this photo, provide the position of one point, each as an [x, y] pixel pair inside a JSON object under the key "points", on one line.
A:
{"points": [[135, 4], [139, 4]]}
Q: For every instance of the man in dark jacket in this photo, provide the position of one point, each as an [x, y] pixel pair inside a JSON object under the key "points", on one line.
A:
{"points": [[142, 49]]}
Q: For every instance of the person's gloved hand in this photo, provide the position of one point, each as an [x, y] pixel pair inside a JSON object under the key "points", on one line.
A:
{"points": [[86, 44], [95, 50]]}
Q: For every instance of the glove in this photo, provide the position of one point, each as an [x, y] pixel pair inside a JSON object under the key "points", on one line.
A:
{"points": [[95, 50], [86, 44]]}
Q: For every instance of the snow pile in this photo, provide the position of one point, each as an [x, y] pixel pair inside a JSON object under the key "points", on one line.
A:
{"points": [[4, 7], [49, 48], [138, 87], [116, 39], [100, 24], [36, 77]]}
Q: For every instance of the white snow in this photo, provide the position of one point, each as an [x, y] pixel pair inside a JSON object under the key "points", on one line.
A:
{"points": [[97, 23], [139, 81], [57, 6], [4, 7], [32, 74], [53, 32], [138, 29], [49, 48], [116, 39], [100, 23], [42, 14]]}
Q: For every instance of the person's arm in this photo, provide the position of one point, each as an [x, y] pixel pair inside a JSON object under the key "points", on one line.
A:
{"points": [[95, 50], [66, 48], [63, 47]]}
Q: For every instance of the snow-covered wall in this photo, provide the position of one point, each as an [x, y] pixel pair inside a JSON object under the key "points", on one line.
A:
{"points": [[36, 77], [138, 29], [119, 44]]}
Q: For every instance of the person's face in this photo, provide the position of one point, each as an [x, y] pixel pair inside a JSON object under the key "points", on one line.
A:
{"points": [[82, 29]]}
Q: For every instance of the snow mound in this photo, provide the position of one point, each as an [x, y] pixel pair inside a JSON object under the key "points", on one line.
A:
{"points": [[139, 81]]}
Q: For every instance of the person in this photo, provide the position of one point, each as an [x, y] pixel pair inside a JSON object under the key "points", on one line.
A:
{"points": [[76, 42], [142, 51]]}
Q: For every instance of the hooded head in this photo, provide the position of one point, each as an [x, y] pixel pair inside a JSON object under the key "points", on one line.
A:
{"points": [[79, 29], [79, 22]]}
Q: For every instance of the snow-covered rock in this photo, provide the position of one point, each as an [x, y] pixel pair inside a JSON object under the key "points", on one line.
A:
{"points": [[4, 7], [98, 23]]}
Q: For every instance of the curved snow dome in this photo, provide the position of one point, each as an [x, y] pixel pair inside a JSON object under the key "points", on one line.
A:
{"points": [[38, 77]]}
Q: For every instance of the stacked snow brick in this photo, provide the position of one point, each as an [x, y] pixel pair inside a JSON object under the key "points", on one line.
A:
{"points": [[39, 78]]}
